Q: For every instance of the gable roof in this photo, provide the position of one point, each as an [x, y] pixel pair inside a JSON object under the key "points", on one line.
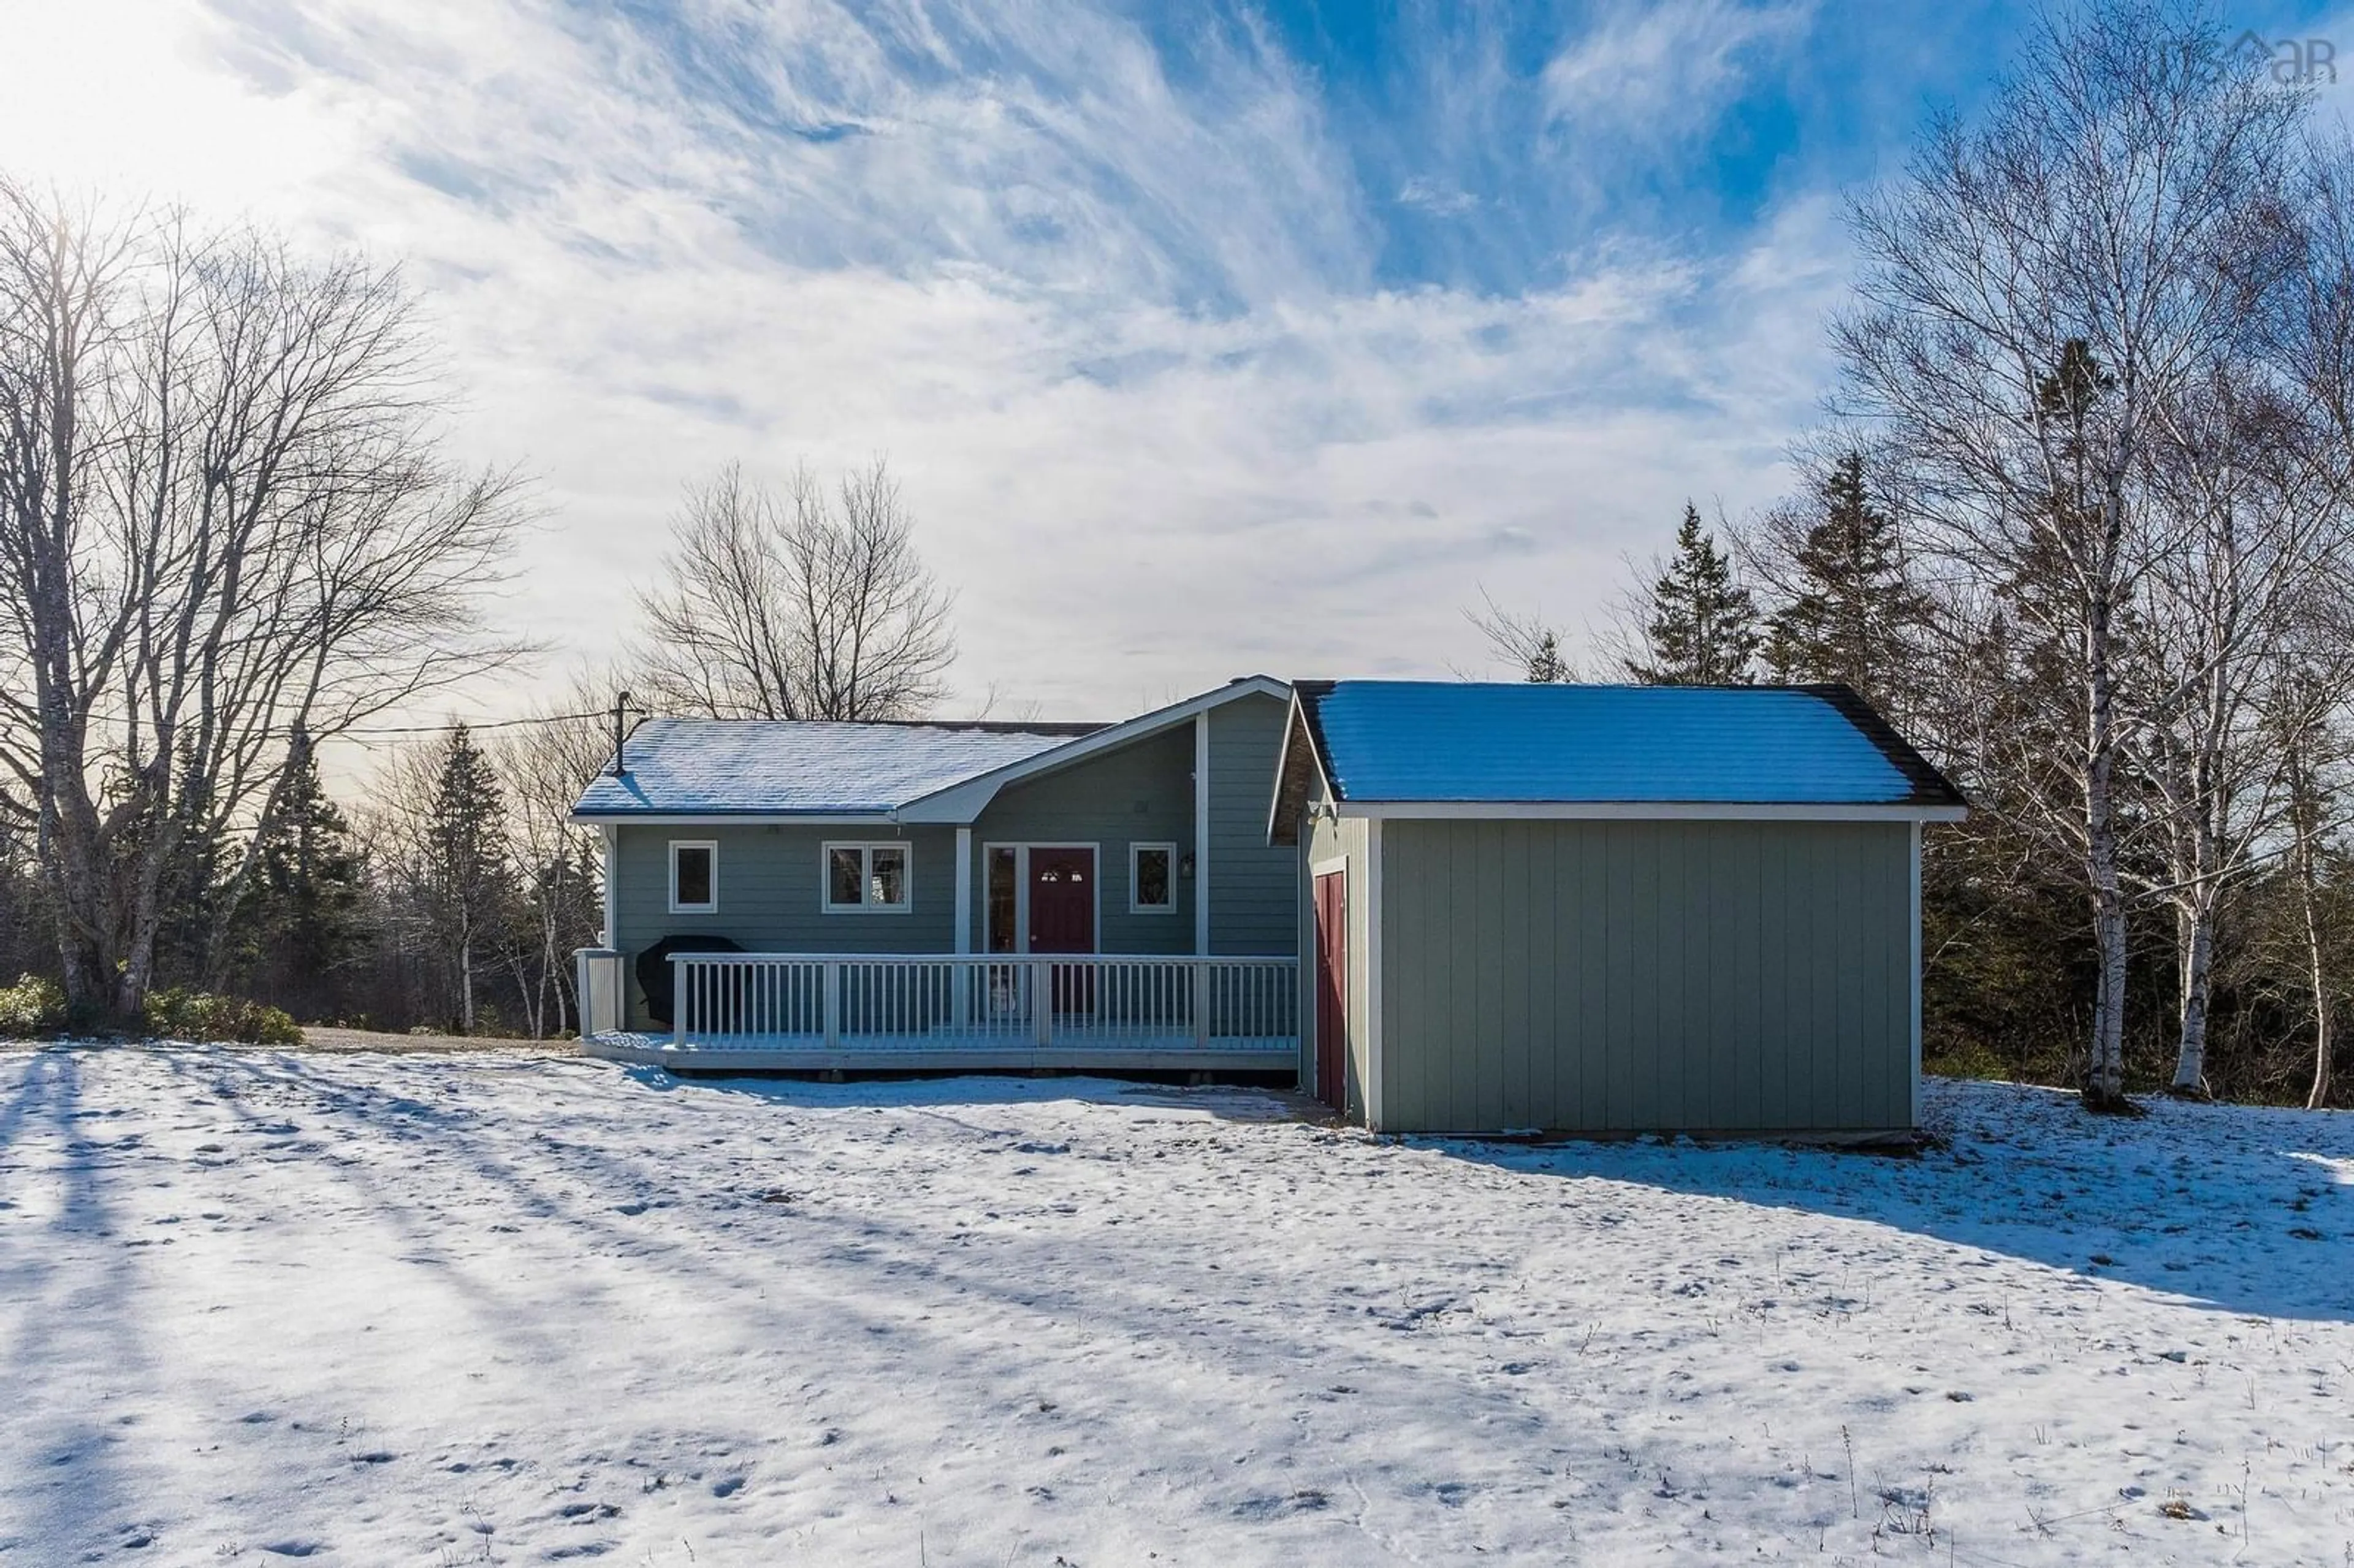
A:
{"points": [[964, 801], [746, 767], [892, 771], [1804, 748]]}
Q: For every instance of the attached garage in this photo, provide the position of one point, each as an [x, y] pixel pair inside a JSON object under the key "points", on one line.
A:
{"points": [[1608, 909]]}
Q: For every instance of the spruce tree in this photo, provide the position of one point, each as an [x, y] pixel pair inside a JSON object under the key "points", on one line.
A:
{"points": [[1547, 665], [301, 926], [1700, 626], [1855, 617], [468, 885]]}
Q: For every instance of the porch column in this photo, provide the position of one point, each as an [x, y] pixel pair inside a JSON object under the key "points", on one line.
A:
{"points": [[611, 842], [1202, 832], [961, 980], [964, 891]]}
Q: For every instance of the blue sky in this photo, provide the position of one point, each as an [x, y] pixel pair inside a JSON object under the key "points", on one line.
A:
{"points": [[1205, 339]]}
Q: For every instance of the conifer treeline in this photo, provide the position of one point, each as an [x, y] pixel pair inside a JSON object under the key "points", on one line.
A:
{"points": [[1820, 588], [452, 901]]}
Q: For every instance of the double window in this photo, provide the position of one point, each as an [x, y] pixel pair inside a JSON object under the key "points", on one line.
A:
{"points": [[693, 876], [866, 877]]}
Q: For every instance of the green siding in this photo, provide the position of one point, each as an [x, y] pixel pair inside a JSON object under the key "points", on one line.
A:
{"points": [[769, 893], [1326, 841], [1138, 793], [1254, 886], [1142, 792], [1628, 976]]}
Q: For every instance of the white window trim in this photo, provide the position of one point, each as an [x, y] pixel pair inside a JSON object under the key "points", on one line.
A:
{"points": [[1135, 850], [710, 846], [866, 848]]}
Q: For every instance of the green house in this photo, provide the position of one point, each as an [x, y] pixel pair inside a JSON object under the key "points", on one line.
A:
{"points": [[1523, 908], [789, 896]]}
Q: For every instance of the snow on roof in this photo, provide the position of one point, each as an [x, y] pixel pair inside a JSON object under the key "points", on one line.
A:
{"points": [[754, 766], [1413, 740]]}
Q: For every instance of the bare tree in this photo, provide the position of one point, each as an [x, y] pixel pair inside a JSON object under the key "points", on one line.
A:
{"points": [[2258, 483], [808, 604], [2305, 718], [544, 763], [1529, 643], [226, 534], [2040, 294]]}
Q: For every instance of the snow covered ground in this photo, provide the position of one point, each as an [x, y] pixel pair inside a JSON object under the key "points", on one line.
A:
{"points": [[369, 1310]]}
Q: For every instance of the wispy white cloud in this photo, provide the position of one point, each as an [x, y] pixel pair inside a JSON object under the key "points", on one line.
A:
{"points": [[1440, 196], [1659, 72], [1118, 324]]}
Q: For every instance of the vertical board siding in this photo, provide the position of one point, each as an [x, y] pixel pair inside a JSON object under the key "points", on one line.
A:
{"points": [[1632, 976], [1254, 886]]}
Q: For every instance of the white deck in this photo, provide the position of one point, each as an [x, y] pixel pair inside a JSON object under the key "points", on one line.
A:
{"points": [[873, 1012], [796, 1053]]}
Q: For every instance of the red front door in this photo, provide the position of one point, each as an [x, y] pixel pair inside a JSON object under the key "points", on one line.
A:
{"points": [[1063, 919], [1332, 988]]}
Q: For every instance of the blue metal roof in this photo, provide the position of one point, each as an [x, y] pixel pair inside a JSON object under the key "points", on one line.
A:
{"points": [[754, 767], [1413, 740]]}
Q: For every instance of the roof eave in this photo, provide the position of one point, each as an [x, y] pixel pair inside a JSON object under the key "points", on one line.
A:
{"points": [[1660, 810], [963, 802], [1286, 801], [749, 817]]}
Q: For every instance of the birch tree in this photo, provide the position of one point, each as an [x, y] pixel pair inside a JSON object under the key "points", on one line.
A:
{"points": [[2037, 291], [226, 534], [2305, 717], [2259, 484]]}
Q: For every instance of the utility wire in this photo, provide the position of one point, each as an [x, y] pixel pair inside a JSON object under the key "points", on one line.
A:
{"points": [[465, 724]]}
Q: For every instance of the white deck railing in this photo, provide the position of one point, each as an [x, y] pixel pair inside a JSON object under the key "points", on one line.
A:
{"points": [[833, 1001]]}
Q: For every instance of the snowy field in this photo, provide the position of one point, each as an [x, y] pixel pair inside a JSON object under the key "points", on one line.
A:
{"points": [[367, 1311]]}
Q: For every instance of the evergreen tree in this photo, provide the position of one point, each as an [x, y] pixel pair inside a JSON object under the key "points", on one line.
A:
{"points": [[301, 928], [1855, 615], [468, 889], [1700, 627], [1547, 665], [188, 892]]}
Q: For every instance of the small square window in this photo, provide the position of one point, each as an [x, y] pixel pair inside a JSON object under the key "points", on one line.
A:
{"points": [[1151, 879], [693, 878], [867, 877]]}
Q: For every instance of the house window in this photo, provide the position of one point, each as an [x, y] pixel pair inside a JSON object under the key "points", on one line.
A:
{"points": [[1004, 899], [1151, 879], [693, 876], [872, 877]]}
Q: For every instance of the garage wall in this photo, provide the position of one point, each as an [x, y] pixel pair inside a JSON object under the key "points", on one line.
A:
{"points": [[1624, 976], [1344, 840]]}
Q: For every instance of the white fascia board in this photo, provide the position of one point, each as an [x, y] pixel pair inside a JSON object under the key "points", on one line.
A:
{"points": [[737, 818], [965, 802], [1294, 722], [1644, 812]]}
